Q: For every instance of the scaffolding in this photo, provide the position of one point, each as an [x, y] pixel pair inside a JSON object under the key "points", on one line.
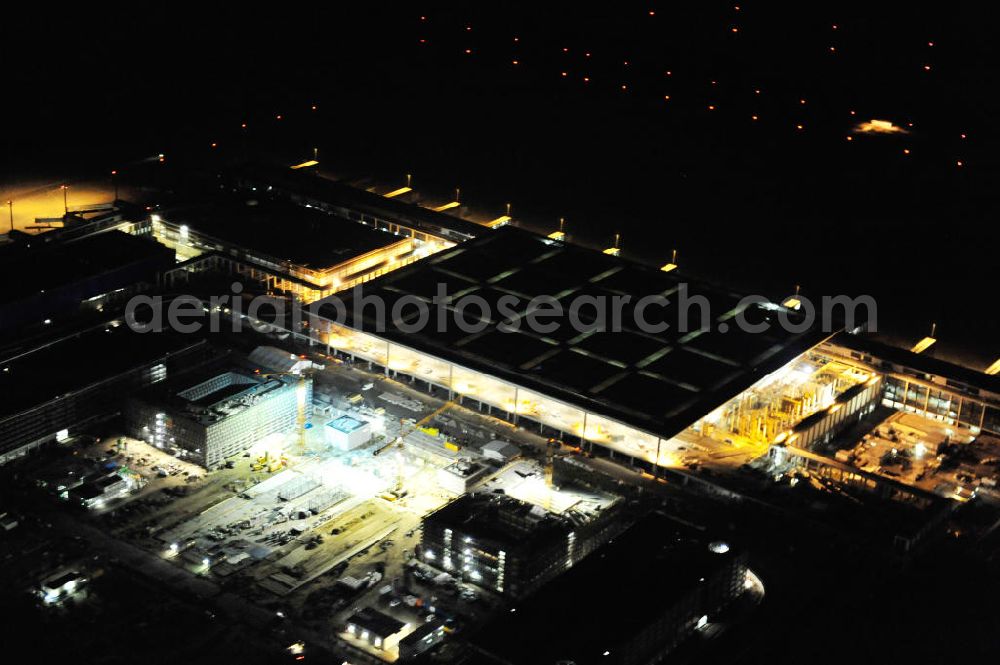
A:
{"points": [[297, 487], [780, 400]]}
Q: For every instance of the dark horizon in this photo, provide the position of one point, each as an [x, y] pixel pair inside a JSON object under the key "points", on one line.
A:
{"points": [[754, 202]]}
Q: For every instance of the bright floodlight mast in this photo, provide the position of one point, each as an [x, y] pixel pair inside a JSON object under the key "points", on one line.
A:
{"points": [[559, 235], [673, 262], [615, 250]]}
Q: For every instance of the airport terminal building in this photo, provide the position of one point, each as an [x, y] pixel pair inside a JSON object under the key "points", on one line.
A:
{"points": [[622, 394], [262, 238]]}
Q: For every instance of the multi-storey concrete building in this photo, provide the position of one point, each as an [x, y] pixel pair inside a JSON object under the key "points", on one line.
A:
{"points": [[219, 413], [506, 545]]}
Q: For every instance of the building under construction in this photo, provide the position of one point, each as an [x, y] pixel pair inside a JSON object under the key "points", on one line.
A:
{"points": [[771, 409], [592, 615], [217, 413], [510, 546]]}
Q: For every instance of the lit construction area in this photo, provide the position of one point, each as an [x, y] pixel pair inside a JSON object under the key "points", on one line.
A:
{"points": [[744, 427], [622, 394], [528, 481], [361, 472], [218, 412], [925, 453], [286, 521]]}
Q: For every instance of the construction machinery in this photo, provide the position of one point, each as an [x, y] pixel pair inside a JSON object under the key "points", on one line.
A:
{"points": [[405, 431], [270, 464]]}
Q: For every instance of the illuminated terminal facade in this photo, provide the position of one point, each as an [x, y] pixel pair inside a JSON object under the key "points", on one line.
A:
{"points": [[624, 394], [927, 386], [640, 397], [289, 249]]}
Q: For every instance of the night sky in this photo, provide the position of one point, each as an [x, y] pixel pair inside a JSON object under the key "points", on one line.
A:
{"points": [[724, 131]]}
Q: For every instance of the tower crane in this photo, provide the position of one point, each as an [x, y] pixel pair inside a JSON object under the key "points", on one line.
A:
{"points": [[300, 419], [406, 431]]}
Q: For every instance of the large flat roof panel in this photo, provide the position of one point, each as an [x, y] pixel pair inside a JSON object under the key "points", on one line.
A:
{"points": [[658, 382]]}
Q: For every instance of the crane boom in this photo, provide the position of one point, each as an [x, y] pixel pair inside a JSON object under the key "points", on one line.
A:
{"points": [[300, 415]]}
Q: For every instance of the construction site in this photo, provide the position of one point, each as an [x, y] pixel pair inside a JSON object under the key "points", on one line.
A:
{"points": [[743, 428], [781, 400], [317, 480]]}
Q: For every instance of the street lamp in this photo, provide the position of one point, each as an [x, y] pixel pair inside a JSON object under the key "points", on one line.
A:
{"points": [[10, 208], [65, 189], [114, 182]]}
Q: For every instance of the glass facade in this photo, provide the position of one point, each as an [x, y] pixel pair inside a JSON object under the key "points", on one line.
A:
{"points": [[419, 365], [484, 388], [519, 402], [359, 344], [940, 404]]}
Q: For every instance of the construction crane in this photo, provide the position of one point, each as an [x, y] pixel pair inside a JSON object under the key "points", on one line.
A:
{"points": [[300, 420], [405, 432]]}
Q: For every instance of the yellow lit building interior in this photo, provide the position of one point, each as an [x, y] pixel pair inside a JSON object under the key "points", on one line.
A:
{"points": [[780, 400], [508, 397], [307, 283], [749, 421]]}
